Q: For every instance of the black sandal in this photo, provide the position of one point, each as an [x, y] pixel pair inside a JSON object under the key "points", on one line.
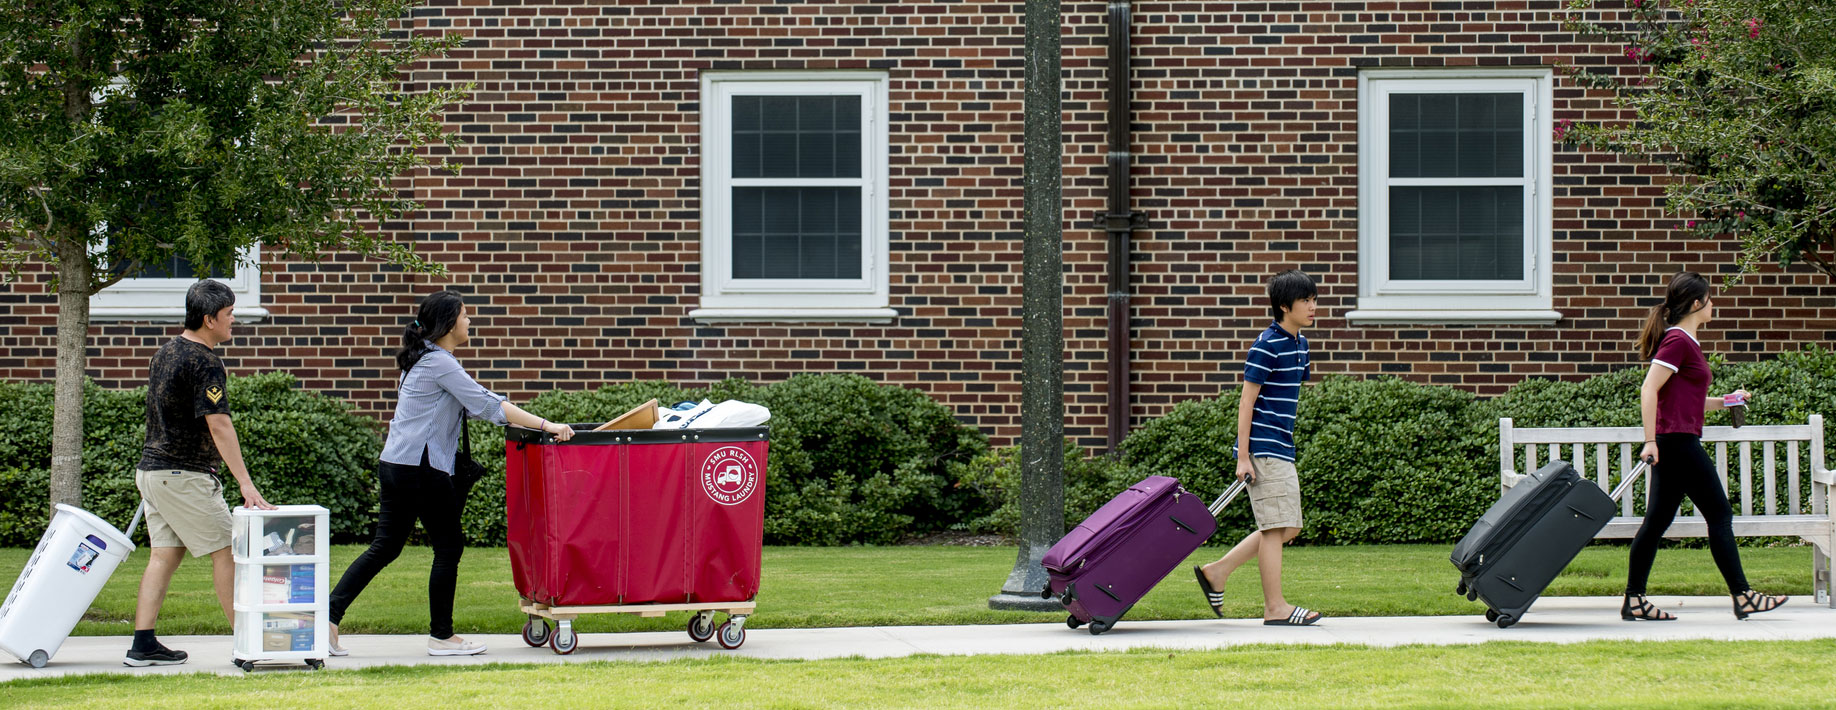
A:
{"points": [[1214, 597], [1751, 602], [1299, 617], [1643, 611]]}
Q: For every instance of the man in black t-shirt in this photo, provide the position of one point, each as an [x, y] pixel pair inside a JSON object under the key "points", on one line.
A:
{"points": [[188, 431]]}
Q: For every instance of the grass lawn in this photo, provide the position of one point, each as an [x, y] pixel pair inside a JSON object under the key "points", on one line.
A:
{"points": [[1496, 675], [872, 586]]}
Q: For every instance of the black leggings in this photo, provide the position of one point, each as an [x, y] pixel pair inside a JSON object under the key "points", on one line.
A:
{"points": [[409, 493], [1684, 470]]}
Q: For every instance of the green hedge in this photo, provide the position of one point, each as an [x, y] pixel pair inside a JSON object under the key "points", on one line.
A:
{"points": [[1388, 461], [300, 447]]}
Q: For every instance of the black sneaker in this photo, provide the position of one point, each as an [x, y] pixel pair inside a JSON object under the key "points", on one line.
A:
{"points": [[161, 656]]}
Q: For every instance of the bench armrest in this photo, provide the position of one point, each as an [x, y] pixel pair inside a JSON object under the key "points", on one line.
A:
{"points": [[1826, 477], [1510, 479]]}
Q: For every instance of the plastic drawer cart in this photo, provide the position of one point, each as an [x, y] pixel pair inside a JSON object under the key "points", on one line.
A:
{"points": [[636, 522], [281, 601], [65, 572]]}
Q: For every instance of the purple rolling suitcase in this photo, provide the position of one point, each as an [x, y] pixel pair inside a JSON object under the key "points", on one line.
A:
{"points": [[1111, 560]]}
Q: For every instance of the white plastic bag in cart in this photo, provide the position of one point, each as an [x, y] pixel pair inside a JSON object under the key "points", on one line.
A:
{"points": [[707, 415], [731, 413], [680, 418]]}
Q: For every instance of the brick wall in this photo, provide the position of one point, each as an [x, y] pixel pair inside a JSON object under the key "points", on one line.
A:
{"points": [[576, 218]]}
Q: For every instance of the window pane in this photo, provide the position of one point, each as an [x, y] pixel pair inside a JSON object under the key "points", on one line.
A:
{"points": [[799, 233], [1457, 233], [748, 244], [746, 144], [1457, 135], [797, 136], [177, 267]]}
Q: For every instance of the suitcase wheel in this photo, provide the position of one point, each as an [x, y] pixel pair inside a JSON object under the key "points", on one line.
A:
{"points": [[1460, 589], [1073, 622], [1472, 595], [1505, 621], [1491, 615], [39, 658], [1098, 627]]}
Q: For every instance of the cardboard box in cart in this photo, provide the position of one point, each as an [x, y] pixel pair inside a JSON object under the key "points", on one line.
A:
{"points": [[636, 521], [62, 577]]}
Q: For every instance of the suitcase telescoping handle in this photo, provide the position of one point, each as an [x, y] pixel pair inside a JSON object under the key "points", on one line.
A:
{"points": [[135, 523], [1230, 494], [1626, 485]]}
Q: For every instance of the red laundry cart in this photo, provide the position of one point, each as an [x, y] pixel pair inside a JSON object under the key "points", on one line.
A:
{"points": [[636, 522]]}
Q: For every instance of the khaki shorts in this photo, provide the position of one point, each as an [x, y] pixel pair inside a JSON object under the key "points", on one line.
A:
{"points": [[1275, 496], [185, 509]]}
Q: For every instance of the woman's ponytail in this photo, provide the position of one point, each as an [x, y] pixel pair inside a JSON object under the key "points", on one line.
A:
{"points": [[1686, 288], [1652, 334]]}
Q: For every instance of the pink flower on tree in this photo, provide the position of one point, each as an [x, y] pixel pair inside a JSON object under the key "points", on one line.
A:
{"points": [[1561, 128], [1690, 224]]}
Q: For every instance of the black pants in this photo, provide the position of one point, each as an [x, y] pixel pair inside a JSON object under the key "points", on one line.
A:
{"points": [[1684, 470], [411, 493]]}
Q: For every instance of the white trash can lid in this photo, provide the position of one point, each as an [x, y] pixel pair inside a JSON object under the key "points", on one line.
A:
{"points": [[99, 527]]}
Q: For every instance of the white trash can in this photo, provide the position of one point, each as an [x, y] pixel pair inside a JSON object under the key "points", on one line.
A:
{"points": [[65, 573]]}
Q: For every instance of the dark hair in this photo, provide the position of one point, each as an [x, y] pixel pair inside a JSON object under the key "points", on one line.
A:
{"points": [[1686, 288], [1286, 288], [206, 298], [439, 314]]}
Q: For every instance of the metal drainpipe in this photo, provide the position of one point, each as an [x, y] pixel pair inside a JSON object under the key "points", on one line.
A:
{"points": [[1119, 221]]}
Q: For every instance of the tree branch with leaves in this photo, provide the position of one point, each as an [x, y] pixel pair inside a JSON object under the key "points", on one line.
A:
{"points": [[136, 131], [1737, 98]]}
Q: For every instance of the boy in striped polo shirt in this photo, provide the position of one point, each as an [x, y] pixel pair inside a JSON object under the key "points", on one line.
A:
{"points": [[1273, 371]]}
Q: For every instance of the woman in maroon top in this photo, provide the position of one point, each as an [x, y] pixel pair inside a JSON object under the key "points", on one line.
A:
{"points": [[1672, 402]]}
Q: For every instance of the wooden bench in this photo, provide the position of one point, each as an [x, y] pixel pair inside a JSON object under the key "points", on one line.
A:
{"points": [[1769, 502]]}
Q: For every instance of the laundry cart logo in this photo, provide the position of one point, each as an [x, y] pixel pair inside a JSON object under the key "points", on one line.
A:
{"points": [[729, 475]]}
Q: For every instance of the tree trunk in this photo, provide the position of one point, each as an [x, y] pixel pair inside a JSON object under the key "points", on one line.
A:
{"points": [[74, 285], [1042, 336]]}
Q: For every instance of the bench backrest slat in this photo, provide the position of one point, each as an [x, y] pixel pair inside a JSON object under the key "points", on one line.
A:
{"points": [[1571, 443]]}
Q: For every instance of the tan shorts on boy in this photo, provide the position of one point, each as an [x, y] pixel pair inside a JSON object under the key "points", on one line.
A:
{"points": [[1275, 495], [185, 509]]}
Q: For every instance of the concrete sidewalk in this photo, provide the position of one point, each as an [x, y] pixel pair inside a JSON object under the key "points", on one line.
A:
{"points": [[1553, 620]]}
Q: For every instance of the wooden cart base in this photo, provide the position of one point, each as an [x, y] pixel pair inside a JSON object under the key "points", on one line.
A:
{"points": [[563, 640]]}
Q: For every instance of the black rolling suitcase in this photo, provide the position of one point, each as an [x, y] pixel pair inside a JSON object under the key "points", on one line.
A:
{"points": [[1519, 546]]}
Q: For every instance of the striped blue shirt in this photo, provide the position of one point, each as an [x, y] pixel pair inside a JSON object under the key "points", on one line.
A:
{"points": [[1277, 361]]}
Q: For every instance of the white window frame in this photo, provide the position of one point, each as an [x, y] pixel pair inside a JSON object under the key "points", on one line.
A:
{"points": [[1380, 300], [163, 300], [725, 299]]}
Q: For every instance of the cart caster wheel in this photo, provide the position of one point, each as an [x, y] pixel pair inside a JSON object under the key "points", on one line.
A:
{"points": [[732, 635], [1491, 615], [1073, 622], [317, 664], [564, 640], [536, 632], [246, 666], [1098, 627], [38, 659], [701, 627], [1505, 622]]}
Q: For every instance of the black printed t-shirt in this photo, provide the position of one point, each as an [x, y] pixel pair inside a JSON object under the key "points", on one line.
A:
{"points": [[186, 383]]}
